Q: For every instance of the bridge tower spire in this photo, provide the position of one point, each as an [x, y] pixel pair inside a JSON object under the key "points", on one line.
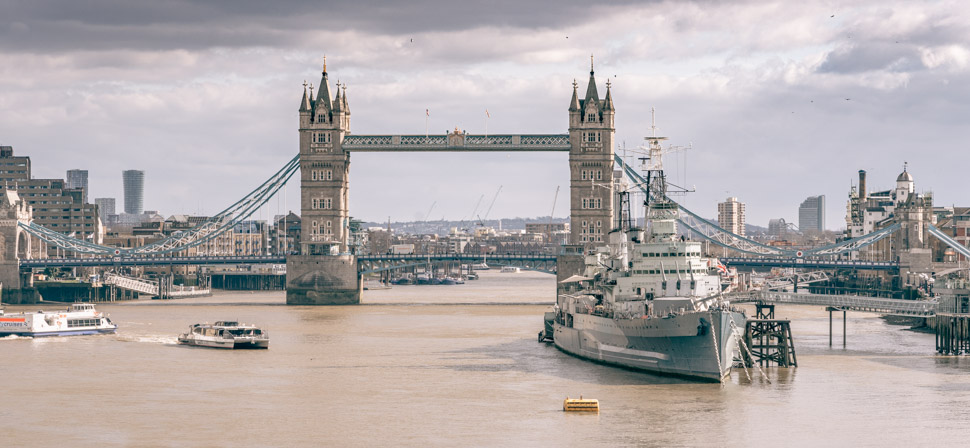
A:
{"points": [[591, 134]]}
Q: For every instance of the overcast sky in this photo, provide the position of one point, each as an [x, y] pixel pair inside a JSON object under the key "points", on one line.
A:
{"points": [[778, 100]]}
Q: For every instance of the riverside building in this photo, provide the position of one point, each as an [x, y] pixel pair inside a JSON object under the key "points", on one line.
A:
{"points": [[55, 205]]}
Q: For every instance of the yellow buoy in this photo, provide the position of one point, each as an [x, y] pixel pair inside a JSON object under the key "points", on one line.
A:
{"points": [[581, 405]]}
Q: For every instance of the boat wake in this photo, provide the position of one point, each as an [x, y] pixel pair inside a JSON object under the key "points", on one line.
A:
{"points": [[164, 340], [13, 337]]}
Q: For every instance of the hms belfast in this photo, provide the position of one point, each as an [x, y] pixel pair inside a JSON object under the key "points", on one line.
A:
{"points": [[646, 299]]}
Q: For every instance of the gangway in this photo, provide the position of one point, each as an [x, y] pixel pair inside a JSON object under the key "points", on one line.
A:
{"points": [[895, 307], [151, 288], [132, 284], [803, 278]]}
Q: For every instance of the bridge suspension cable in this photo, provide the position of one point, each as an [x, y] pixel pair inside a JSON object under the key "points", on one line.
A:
{"points": [[939, 234], [207, 230], [717, 235]]}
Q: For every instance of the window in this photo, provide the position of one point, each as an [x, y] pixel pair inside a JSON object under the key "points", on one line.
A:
{"points": [[584, 174], [599, 174], [313, 174], [321, 137], [591, 116], [328, 175]]}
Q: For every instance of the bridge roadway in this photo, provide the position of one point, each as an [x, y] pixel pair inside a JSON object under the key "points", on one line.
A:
{"points": [[149, 261], [896, 307], [366, 263], [767, 262]]}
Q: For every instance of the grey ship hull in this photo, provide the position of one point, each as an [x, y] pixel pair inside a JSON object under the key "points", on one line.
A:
{"points": [[682, 345]]}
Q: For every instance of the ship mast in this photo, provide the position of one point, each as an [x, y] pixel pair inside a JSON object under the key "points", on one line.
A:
{"points": [[656, 181]]}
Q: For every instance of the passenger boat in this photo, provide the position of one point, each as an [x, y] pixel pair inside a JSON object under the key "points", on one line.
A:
{"points": [[225, 334], [511, 270], [79, 319]]}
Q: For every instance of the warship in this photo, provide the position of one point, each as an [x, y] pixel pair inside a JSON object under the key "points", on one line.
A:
{"points": [[648, 300]]}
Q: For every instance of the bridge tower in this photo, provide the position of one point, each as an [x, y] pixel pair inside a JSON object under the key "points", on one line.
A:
{"points": [[324, 273], [591, 133], [324, 169], [14, 245]]}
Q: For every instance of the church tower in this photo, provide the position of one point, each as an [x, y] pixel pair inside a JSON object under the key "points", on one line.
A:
{"points": [[324, 169], [591, 133]]}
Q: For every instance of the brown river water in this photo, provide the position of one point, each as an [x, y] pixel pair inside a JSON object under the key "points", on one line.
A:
{"points": [[456, 366]]}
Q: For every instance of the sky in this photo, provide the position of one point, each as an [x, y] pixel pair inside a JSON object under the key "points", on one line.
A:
{"points": [[775, 100]]}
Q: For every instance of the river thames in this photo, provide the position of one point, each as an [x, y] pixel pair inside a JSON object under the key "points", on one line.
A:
{"points": [[456, 366]]}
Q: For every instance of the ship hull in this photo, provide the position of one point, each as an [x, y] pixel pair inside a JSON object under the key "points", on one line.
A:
{"points": [[698, 345], [79, 332]]}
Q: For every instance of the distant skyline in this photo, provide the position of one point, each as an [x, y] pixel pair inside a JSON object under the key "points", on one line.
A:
{"points": [[779, 100]]}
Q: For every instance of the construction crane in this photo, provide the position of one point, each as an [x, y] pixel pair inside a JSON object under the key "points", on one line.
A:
{"points": [[461, 225], [552, 213], [428, 215], [481, 221]]}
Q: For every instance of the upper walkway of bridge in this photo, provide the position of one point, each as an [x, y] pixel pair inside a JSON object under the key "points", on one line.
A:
{"points": [[456, 141]]}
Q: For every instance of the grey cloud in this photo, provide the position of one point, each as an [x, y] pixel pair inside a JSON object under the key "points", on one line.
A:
{"points": [[872, 56], [47, 25]]}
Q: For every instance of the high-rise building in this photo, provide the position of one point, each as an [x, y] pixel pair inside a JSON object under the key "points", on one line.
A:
{"points": [[730, 216], [134, 182], [811, 214], [106, 207], [78, 179]]}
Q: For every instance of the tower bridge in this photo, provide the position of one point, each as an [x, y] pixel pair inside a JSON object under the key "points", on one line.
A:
{"points": [[326, 272]]}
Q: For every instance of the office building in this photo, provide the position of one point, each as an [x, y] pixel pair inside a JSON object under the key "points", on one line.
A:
{"points": [[811, 214], [78, 179], [730, 216], [777, 227], [106, 208], [134, 183]]}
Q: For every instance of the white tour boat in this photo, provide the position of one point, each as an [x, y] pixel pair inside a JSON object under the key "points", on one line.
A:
{"points": [[79, 319], [225, 334]]}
